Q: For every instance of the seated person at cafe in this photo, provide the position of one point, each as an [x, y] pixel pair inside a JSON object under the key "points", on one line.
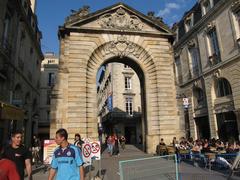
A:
{"points": [[161, 148]]}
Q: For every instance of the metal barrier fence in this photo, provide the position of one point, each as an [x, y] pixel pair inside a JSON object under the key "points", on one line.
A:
{"points": [[210, 160], [153, 168]]}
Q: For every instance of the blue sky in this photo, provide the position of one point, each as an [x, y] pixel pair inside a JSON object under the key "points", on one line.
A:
{"points": [[52, 13]]}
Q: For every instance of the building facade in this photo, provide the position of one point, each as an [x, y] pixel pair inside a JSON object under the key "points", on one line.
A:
{"points": [[119, 102], [115, 34], [49, 70], [207, 60], [20, 61]]}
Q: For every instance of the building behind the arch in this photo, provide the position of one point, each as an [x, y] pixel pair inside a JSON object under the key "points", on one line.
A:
{"points": [[207, 61], [119, 102], [87, 41]]}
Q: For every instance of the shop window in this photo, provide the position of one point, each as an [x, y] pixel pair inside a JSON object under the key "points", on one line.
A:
{"points": [[227, 126], [223, 88]]}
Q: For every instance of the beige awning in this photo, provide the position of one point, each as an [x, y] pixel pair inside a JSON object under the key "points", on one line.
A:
{"points": [[11, 112]]}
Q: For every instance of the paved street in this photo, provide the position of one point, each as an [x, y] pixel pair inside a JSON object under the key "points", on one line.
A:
{"points": [[110, 168]]}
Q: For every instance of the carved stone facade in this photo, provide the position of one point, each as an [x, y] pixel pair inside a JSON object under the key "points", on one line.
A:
{"points": [[214, 91], [120, 20], [121, 47], [138, 42]]}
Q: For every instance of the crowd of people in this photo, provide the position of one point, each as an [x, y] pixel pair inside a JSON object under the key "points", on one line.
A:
{"points": [[199, 145], [15, 157], [113, 142], [201, 148]]}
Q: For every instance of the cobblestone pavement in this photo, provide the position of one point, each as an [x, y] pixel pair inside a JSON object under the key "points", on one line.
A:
{"points": [[110, 168]]}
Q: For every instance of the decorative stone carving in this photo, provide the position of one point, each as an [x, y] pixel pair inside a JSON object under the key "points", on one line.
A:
{"points": [[178, 53], [83, 11], [217, 74], [192, 43], [195, 84], [236, 6], [121, 47], [210, 26], [120, 20]]}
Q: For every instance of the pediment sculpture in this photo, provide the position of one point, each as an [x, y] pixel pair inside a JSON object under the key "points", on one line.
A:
{"points": [[120, 20]]}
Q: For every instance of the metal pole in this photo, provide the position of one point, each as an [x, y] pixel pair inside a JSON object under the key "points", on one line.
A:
{"points": [[90, 169], [100, 169]]}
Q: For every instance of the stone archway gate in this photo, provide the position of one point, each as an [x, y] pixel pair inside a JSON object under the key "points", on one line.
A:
{"points": [[89, 40]]}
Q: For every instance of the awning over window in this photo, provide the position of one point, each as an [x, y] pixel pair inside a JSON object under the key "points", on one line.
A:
{"points": [[10, 112]]}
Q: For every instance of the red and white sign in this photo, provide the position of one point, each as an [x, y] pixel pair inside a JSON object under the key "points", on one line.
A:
{"points": [[48, 149], [86, 153], [96, 150], [91, 151]]}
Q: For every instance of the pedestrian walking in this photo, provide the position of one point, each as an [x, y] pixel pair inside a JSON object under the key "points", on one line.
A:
{"points": [[78, 141], [110, 144], [36, 146], [67, 162], [122, 142], [19, 154], [115, 145]]}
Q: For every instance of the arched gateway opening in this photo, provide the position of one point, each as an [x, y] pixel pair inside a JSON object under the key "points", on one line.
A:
{"points": [[115, 34], [101, 56], [121, 108]]}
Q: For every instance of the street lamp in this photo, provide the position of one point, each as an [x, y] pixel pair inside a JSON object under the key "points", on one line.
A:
{"points": [[186, 114]]}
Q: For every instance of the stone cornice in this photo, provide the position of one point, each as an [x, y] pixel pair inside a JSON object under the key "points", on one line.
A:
{"points": [[133, 26], [202, 23], [66, 31]]}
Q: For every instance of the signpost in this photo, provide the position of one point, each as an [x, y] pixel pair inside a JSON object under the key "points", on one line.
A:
{"points": [[91, 151]]}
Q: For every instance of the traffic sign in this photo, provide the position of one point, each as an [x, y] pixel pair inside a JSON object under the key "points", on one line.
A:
{"points": [[86, 150], [96, 150]]}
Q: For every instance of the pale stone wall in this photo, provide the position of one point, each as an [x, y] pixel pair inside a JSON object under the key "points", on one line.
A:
{"points": [[222, 18], [81, 56], [48, 65], [82, 53]]}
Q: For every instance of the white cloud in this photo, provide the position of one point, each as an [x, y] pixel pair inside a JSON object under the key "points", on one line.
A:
{"points": [[168, 8], [172, 6]]}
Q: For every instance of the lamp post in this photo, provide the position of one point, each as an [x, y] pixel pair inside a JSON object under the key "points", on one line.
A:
{"points": [[186, 114]]}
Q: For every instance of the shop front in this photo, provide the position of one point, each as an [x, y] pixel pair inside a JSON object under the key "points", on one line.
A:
{"points": [[9, 116]]}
